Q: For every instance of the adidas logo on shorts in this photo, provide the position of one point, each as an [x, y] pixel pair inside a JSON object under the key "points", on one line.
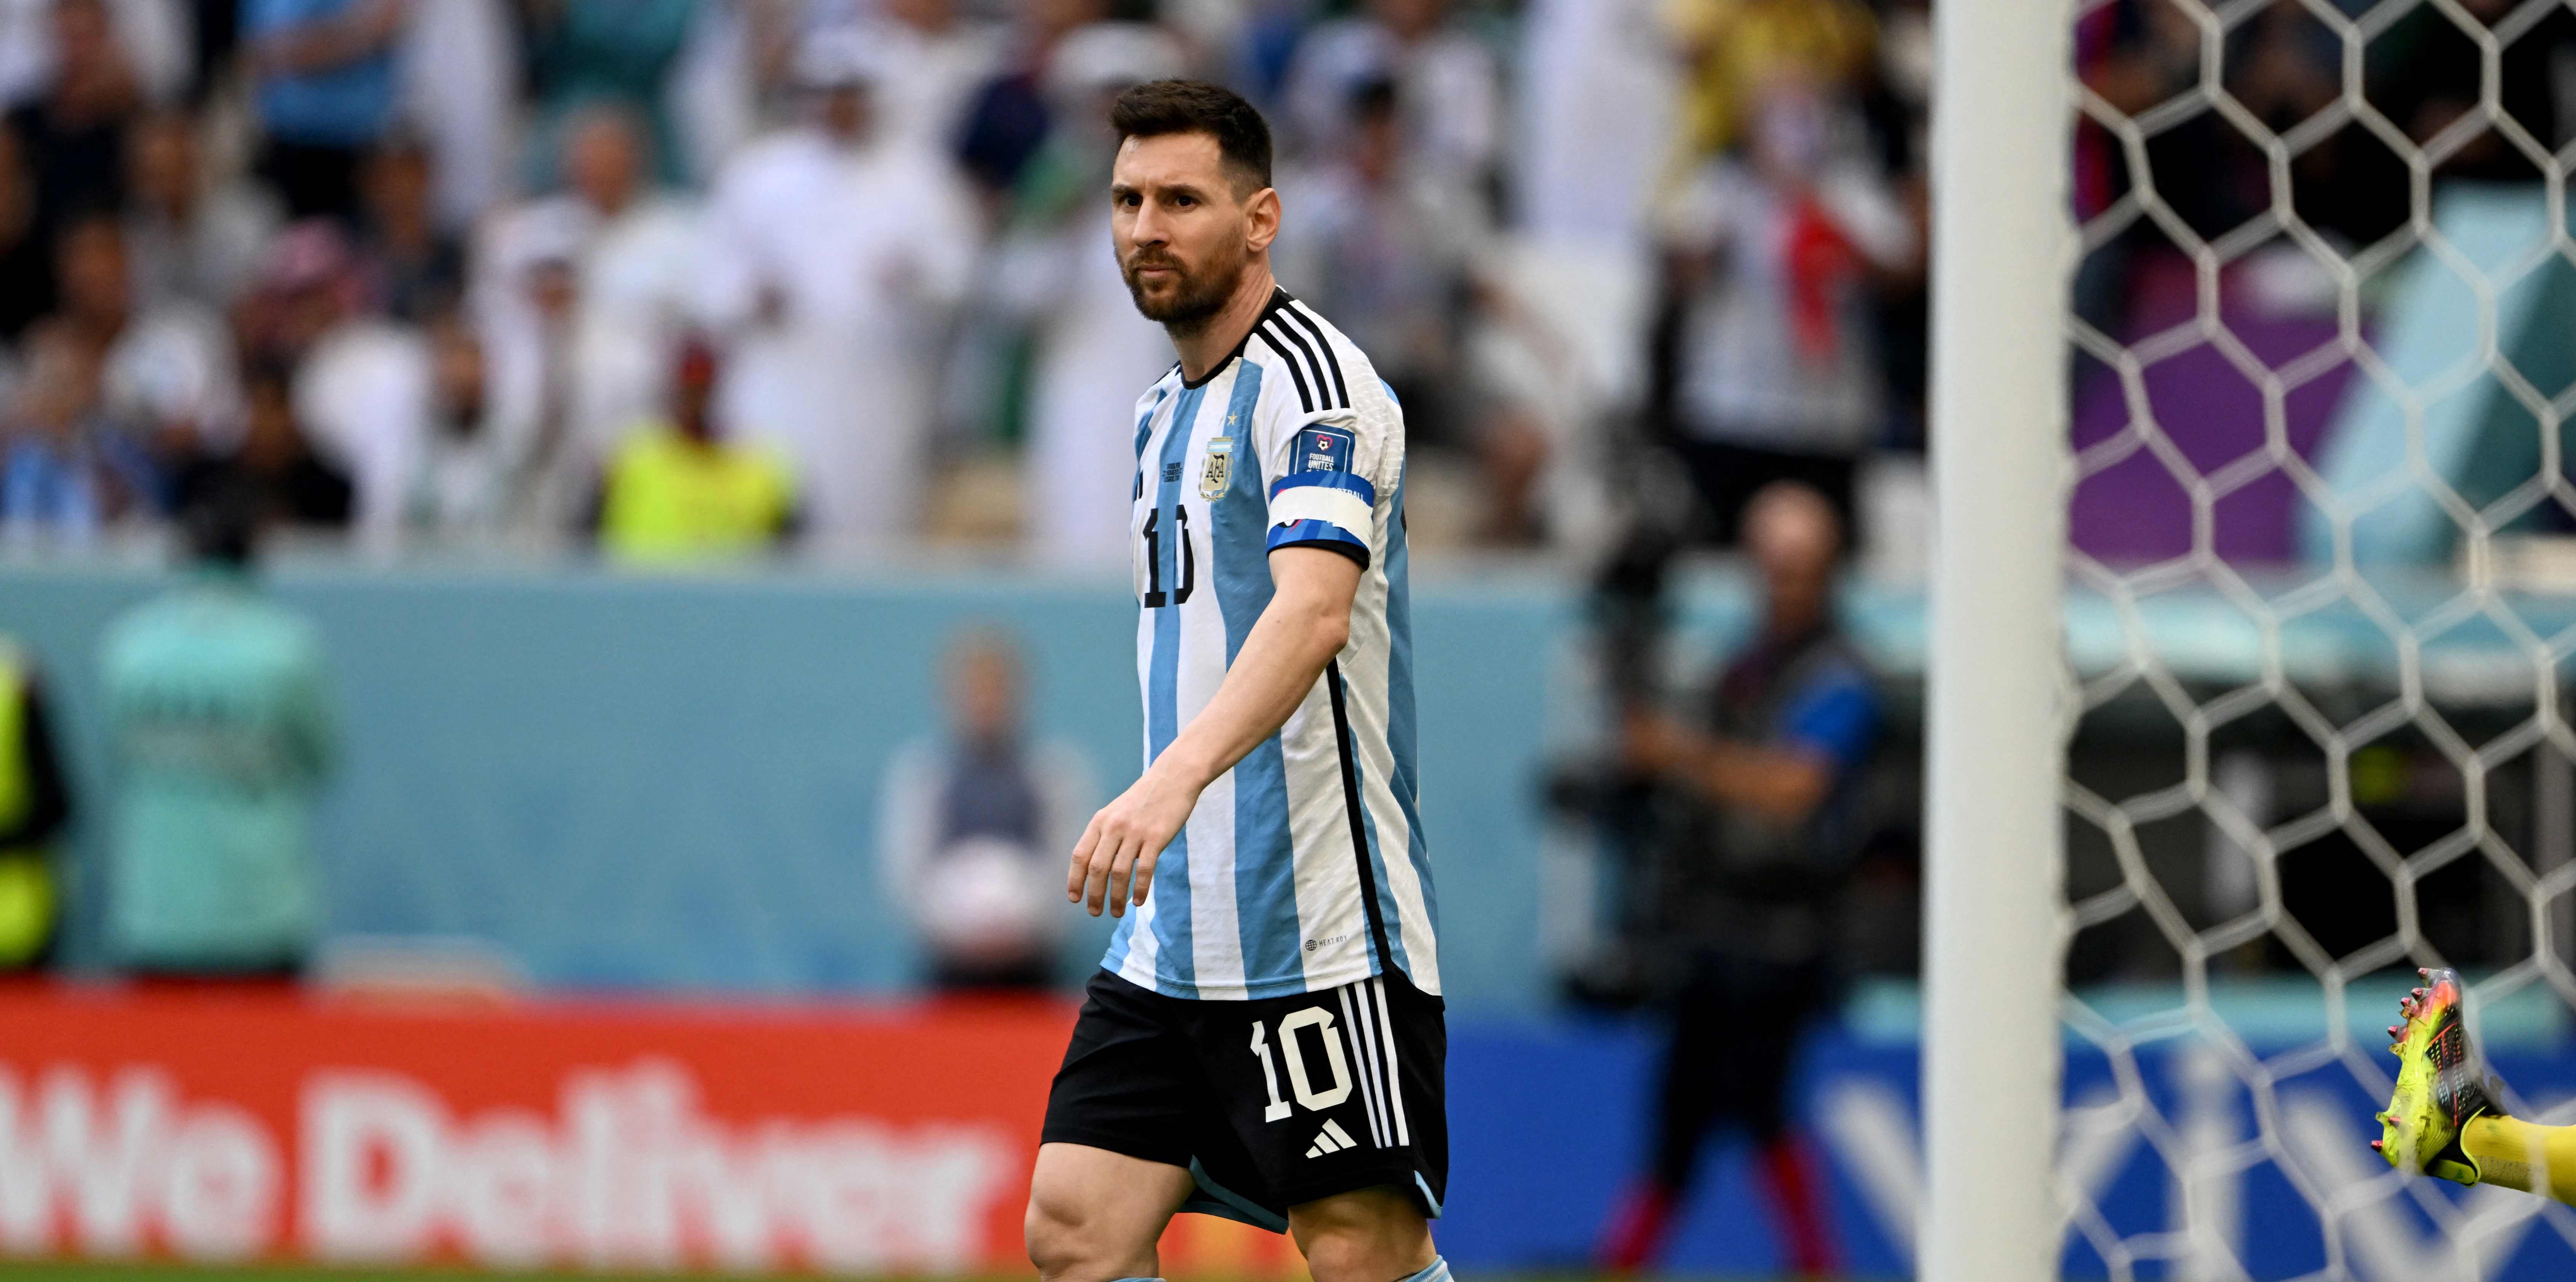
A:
{"points": [[1333, 1140]]}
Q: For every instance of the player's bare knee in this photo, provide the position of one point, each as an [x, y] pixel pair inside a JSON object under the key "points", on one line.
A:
{"points": [[1365, 1254], [1071, 1238], [1057, 1242], [1374, 1235]]}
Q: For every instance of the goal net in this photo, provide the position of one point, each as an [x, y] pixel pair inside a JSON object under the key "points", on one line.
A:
{"points": [[2319, 602]]}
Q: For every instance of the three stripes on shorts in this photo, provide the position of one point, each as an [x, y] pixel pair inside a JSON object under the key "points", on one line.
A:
{"points": [[1372, 1040]]}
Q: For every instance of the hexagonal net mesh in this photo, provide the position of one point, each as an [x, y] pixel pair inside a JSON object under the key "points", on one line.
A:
{"points": [[2322, 602]]}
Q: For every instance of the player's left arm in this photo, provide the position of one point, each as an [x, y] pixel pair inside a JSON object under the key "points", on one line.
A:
{"points": [[1306, 624]]}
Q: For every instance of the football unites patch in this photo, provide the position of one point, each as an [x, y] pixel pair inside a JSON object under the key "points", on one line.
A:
{"points": [[1323, 449]]}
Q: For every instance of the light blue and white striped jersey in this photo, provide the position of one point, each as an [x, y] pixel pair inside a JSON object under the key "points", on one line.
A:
{"points": [[1303, 867]]}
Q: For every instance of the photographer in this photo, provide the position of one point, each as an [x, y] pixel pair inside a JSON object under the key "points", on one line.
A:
{"points": [[1745, 887]]}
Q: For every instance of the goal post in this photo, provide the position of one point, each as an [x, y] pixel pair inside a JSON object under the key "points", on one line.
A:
{"points": [[2002, 262]]}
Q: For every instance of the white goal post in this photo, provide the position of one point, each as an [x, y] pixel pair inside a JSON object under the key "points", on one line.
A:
{"points": [[2002, 263]]}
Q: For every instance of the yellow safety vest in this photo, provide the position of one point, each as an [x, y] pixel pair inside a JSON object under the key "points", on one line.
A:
{"points": [[671, 499], [26, 872]]}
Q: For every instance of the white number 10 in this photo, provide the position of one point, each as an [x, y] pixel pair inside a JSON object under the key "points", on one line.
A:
{"points": [[1316, 1100]]}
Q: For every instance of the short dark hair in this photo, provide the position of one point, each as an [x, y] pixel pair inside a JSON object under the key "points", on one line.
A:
{"points": [[1160, 107]]}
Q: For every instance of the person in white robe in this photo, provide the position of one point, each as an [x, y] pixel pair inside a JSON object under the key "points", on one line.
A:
{"points": [[581, 298], [936, 58], [1447, 83], [1093, 350], [834, 261]]}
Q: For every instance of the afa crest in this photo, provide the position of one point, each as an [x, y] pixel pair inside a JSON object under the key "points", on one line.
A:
{"points": [[1216, 468]]}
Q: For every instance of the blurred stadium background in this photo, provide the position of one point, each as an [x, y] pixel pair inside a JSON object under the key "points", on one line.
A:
{"points": [[606, 825]]}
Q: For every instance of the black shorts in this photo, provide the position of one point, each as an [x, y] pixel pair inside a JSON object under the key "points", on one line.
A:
{"points": [[1268, 1103]]}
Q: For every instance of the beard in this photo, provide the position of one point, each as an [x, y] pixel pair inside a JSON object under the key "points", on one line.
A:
{"points": [[1193, 296]]}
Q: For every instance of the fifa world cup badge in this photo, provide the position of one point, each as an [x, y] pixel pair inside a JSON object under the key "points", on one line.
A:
{"points": [[1217, 468]]}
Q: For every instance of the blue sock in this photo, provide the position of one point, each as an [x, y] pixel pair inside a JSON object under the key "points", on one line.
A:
{"points": [[1438, 1272]]}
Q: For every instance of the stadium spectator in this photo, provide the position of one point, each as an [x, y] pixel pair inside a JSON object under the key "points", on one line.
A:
{"points": [[1770, 259], [1733, 50], [1448, 90], [2285, 71], [1386, 247], [458, 79], [1009, 117], [413, 266], [26, 256], [936, 59], [189, 237], [273, 461], [833, 263], [166, 373], [72, 136], [682, 492], [580, 53], [1596, 89], [35, 808], [1898, 106], [467, 489], [325, 96], [1745, 903], [213, 47], [1091, 350], [2428, 72], [630, 252], [223, 729], [532, 381], [153, 37], [973, 829], [66, 471], [362, 384]]}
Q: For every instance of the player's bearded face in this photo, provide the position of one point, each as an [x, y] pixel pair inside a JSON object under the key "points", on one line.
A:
{"points": [[1175, 288], [1184, 232]]}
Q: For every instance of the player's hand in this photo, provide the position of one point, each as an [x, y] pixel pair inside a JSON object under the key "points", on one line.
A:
{"points": [[1651, 743], [1116, 856]]}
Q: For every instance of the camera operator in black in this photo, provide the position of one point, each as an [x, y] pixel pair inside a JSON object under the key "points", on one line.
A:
{"points": [[1745, 889]]}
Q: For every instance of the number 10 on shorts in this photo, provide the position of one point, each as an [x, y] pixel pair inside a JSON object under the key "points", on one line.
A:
{"points": [[1321, 1020]]}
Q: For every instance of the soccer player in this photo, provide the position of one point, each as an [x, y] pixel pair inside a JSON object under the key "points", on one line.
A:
{"points": [[1264, 1040], [2445, 1117]]}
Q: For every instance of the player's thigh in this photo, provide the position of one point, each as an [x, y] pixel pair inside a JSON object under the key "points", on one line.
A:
{"points": [[1376, 1234], [1095, 1215], [1114, 1154]]}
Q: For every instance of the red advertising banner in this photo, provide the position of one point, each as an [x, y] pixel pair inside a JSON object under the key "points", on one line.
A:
{"points": [[216, 1125]]}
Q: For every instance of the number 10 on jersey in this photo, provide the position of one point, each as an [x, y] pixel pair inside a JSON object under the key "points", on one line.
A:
{"points": [[1299, 1082], [1189, 558]]}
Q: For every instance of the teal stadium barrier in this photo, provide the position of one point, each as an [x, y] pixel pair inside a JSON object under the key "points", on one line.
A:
{"points": [[671, 782]]}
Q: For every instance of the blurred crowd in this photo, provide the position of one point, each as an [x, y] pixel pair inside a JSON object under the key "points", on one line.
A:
{"points": [[689, 276], [685, 276]]}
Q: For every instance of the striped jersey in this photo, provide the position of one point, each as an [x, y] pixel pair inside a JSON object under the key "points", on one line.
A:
{"points": [[1303, 867]]}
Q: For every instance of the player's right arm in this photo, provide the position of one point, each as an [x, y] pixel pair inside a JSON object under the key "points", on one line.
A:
{"points": [[1332, 468], [1307, 622]]}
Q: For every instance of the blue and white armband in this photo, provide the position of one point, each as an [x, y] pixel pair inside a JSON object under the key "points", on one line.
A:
{"points": [[1323, 509]]}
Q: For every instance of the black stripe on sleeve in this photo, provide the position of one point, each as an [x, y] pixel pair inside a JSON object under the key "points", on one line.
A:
{"points": [[1304, 397], [1340, 388], [1323, 390]]}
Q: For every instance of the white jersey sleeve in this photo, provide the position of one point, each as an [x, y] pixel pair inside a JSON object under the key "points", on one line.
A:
{"points": [[1337, 464]]}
